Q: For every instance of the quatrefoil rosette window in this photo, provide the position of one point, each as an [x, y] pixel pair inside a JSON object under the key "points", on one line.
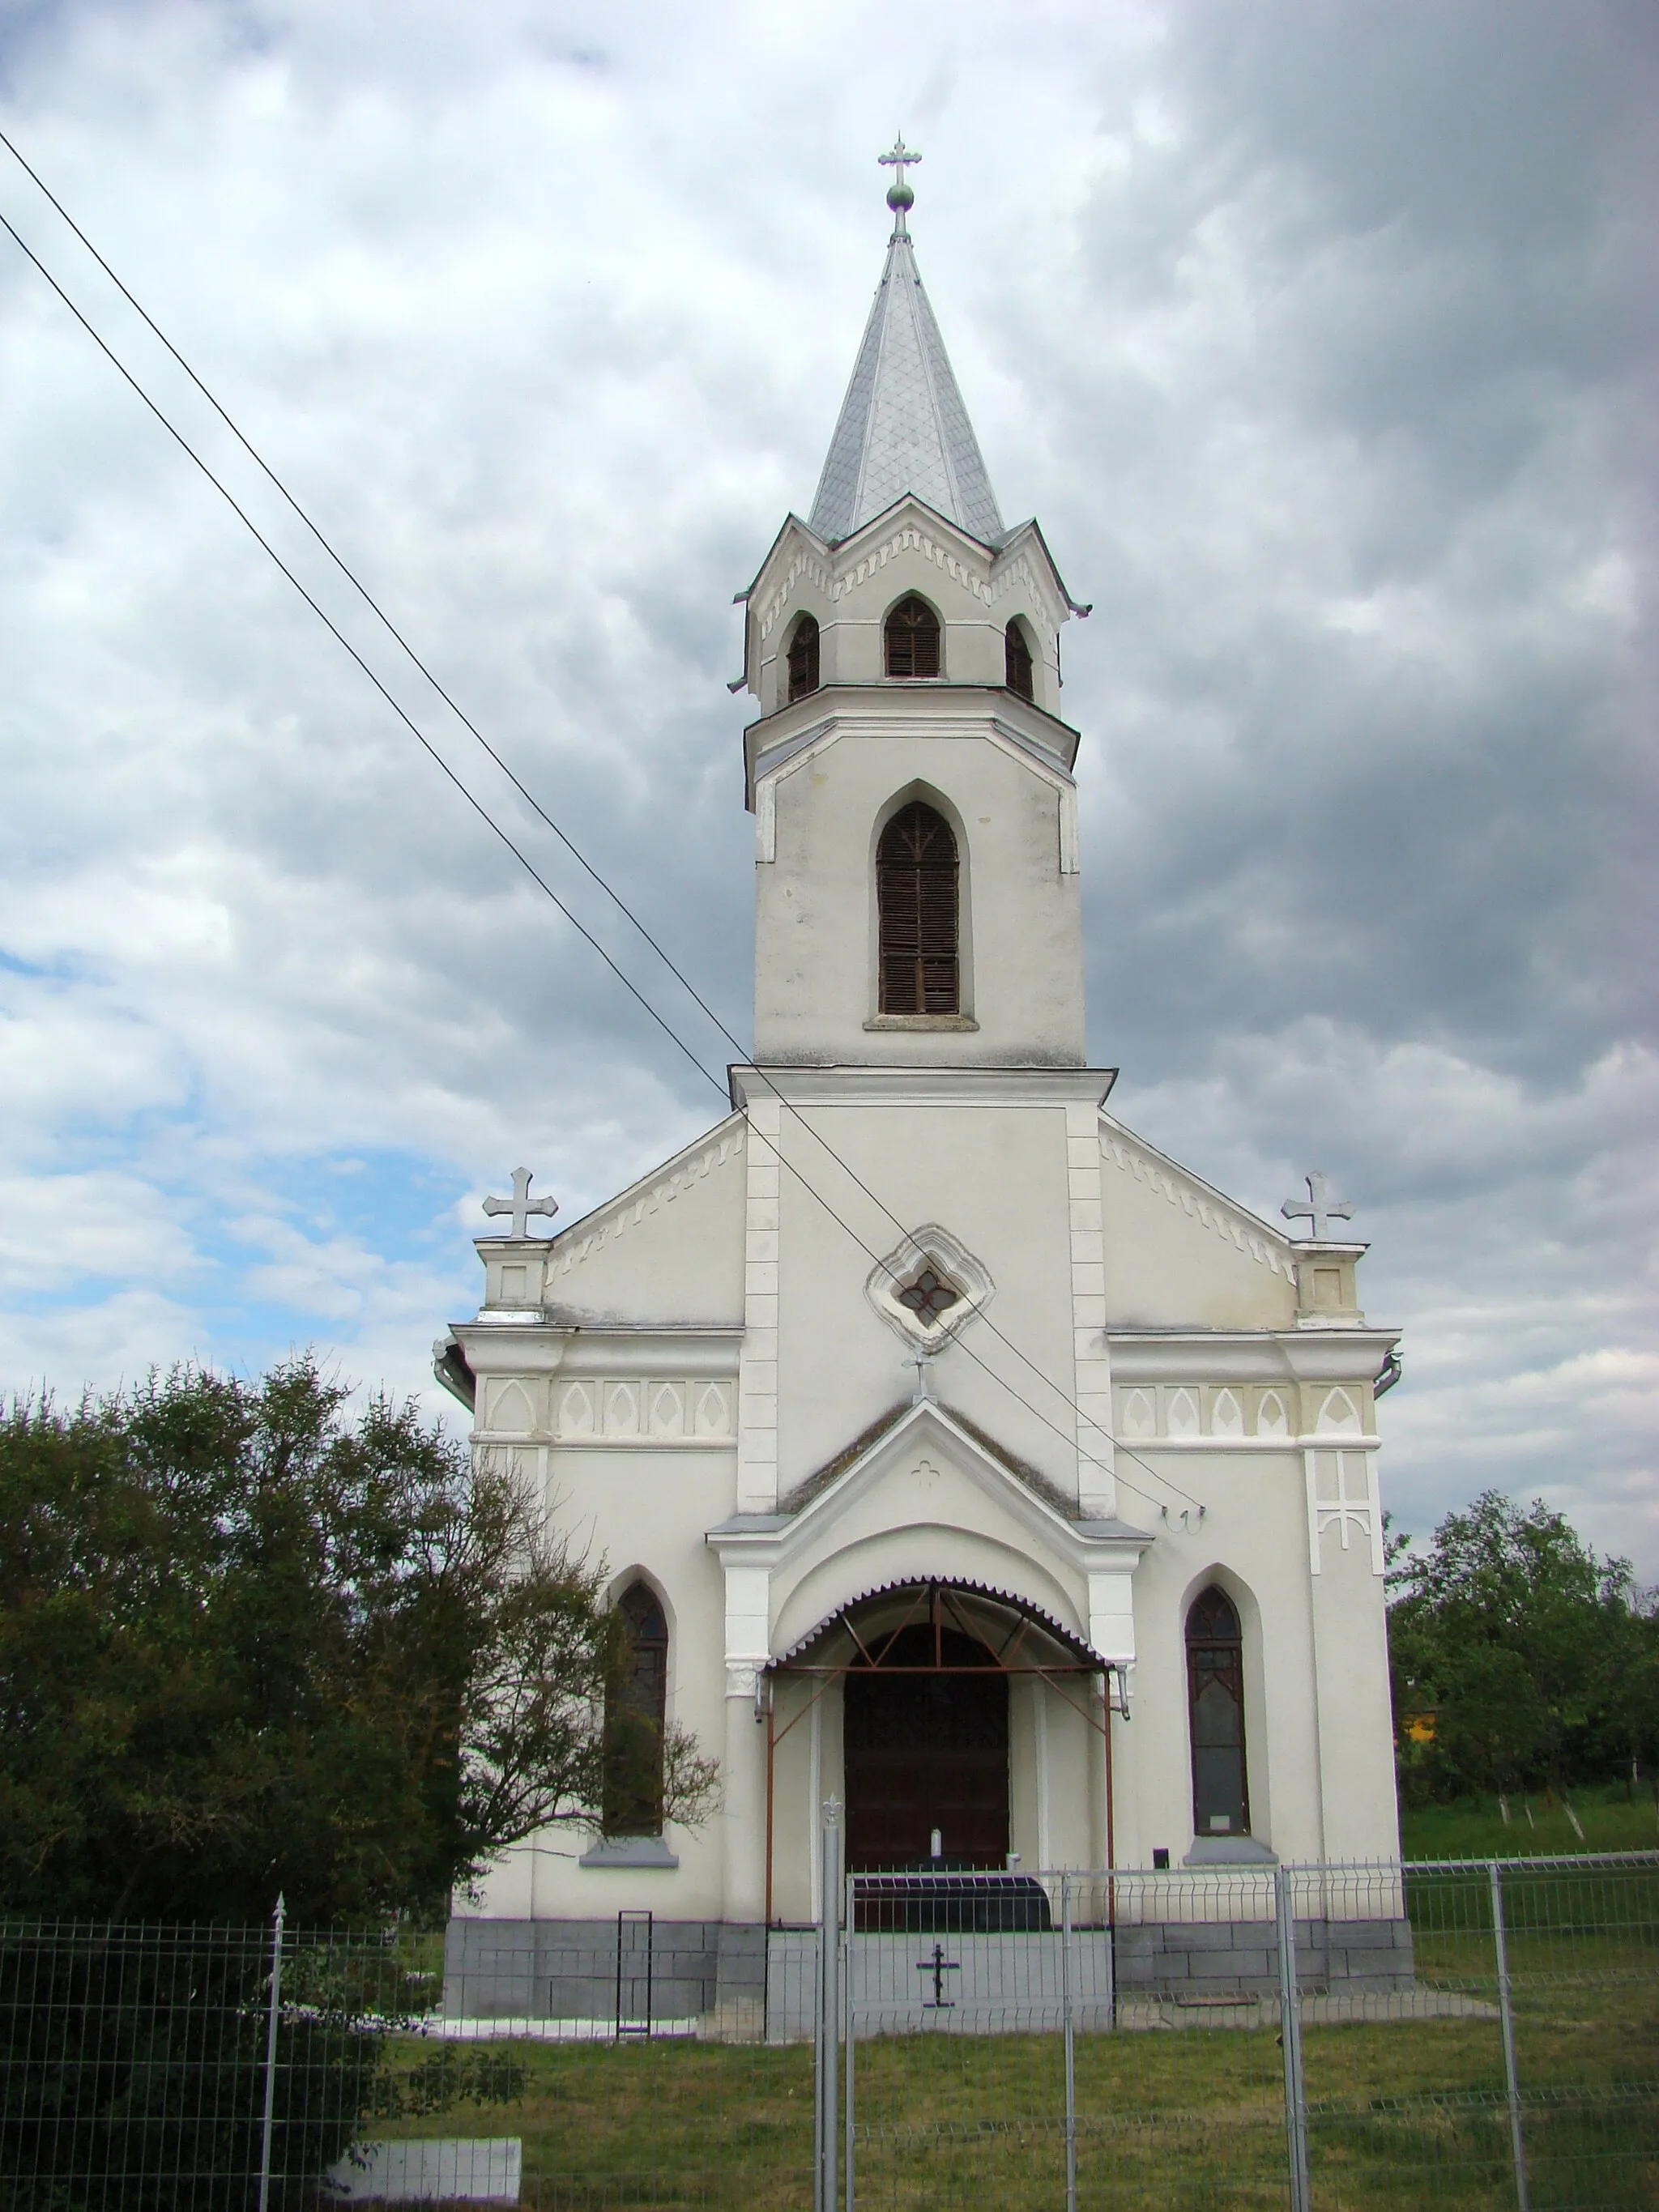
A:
{"points": [[929, 1288]]}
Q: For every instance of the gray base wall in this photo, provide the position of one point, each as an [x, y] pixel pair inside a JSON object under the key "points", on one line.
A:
{"points": [[1184, 1958], [710, 1970], [741, 1983]]}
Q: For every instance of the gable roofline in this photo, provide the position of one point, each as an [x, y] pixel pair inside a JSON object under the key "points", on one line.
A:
{"points": [[650, 1190], [834, 569], [1213, 1209], [821, 1498], [1033, 528], [836, 549]]}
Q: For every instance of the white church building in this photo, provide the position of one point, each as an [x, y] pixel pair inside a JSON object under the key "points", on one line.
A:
{"points": [[954, 1452]]}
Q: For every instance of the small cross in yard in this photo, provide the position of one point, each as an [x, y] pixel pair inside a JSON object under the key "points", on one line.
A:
{"points": [[1318, 1210], [939, 1966], [520, 1206]]}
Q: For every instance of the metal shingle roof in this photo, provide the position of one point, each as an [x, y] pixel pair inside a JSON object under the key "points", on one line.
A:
{"points": [[903, 427]]}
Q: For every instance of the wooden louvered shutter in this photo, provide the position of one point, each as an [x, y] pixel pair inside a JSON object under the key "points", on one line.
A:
{"points": [[912, 639], [804, 659], [916, 906]]}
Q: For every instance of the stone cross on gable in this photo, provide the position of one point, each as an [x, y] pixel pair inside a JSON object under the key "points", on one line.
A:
{"points": [[520, 1206], [1318, 1209]]}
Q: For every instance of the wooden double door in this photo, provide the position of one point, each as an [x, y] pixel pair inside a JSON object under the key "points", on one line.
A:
{"points": [[925, 1743]]}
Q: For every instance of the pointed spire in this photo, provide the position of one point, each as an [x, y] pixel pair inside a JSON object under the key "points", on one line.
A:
{"points": [[902, 425]]}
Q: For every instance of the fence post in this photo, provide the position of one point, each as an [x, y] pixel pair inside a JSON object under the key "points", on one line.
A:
{"points": [[1289, 2018], [850, 1914], [1505, 2013], [1071, 2041], [826, 2113], [271, 2051]]}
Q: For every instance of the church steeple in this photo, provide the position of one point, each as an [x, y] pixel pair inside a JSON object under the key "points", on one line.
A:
{"points": [[916, 849], [903, 425]]}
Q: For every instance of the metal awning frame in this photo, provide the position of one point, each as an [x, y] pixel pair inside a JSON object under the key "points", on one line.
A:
{"points": [[935, 1597]]}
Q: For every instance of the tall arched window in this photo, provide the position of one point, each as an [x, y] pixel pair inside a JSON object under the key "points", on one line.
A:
{"points": [[1017, 658], [636, 1711], [1215, 1698], [803, 657], [912, 639], [916, 913]]}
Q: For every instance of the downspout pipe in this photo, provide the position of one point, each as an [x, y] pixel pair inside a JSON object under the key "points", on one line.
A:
{"points": [[1388, 1375]]}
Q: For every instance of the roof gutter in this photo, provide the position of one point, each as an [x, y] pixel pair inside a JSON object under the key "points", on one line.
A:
{"points": [[451, 1368]]}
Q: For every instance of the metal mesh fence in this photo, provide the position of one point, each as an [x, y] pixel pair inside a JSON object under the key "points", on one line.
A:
{"points": [[622, 2063], [1520, 2065], [1464, 2035], [1241, 2035]]}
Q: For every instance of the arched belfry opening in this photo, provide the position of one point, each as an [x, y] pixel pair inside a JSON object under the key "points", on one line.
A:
{"points": [[1215, 1702], [803, 657], [910, 639], [1016, 659], [917, 907]]}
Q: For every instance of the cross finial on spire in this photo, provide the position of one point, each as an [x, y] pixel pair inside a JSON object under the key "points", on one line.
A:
{"points": [[900, 197], [1318, 1210]]}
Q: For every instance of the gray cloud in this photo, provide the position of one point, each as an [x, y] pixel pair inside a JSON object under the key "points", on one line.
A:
{"points": [[1317, 335]]}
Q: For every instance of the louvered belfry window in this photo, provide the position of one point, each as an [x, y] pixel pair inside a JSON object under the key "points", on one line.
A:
{"points": [[1017, 655], [912, 636], [916, 905], [803, 657]]}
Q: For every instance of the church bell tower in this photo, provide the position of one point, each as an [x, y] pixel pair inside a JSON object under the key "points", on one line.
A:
{"points": [[916, 840]]}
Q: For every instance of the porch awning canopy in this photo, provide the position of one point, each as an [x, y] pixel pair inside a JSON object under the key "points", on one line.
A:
{"points": [[991, 1616]]}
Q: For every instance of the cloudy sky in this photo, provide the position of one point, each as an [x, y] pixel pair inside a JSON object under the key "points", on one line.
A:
{"points": [[1320, 337]]}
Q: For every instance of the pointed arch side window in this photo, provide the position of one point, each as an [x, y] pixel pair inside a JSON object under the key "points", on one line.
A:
{"points": [[911, 638], [916, 906], [803, 657], [636, 1714], [1215, 1705], [1017, 658]]}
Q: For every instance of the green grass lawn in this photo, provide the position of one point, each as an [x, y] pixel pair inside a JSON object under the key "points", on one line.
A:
{"points": [[1400, 2113], [1475, 1828]]}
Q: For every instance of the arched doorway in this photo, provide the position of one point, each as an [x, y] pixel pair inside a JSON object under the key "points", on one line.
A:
{"points": [[923, 1673], [925, 1749]]}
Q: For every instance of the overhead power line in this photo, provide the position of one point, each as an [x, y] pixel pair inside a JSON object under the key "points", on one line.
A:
{"points": [[482, 811]]}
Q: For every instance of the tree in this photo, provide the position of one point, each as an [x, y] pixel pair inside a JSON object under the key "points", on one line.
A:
{"points": [[248, 1644], [1540, 1659]]}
